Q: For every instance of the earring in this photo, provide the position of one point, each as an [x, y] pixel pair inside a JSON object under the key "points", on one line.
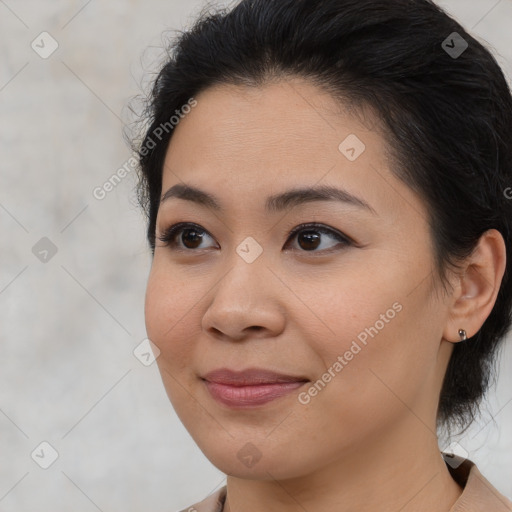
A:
{"points": [[462, 334]]}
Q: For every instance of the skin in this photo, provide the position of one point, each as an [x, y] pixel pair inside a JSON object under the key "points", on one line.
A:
{"points": [[367, 441]]}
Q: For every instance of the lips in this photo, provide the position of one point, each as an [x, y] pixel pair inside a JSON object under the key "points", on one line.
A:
{"points": [[250, 377], [250, 388]]}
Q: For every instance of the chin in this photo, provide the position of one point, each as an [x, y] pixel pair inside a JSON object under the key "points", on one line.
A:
{"points": [[249, 462]]}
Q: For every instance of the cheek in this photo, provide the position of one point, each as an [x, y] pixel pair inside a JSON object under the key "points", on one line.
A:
{"points": [[372, 358], [170, 325], [169, 316]]}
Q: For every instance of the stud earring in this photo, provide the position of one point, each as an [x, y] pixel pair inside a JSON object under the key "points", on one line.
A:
{"points": [[462, 334]]}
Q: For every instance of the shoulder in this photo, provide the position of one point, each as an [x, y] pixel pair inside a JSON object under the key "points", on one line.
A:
{"points": [[213, 503], [478, 494]]}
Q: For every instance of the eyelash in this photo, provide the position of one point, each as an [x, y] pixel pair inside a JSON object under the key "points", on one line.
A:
{"points": [[169, 235]]}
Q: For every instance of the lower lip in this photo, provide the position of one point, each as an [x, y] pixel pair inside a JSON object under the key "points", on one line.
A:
{"points": [[250, 396]]}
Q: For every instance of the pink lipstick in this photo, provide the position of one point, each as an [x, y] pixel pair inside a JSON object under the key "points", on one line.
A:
{"points": [[251, 387]]}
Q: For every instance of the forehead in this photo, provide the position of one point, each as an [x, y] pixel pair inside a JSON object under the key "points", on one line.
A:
{"points": [[244, 143]]}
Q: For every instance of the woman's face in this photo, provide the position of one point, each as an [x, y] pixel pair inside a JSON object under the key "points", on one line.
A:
{"points": [[356, 315]]}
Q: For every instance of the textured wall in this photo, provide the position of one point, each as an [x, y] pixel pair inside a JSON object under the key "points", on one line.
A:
{"points": [[74, 267]]}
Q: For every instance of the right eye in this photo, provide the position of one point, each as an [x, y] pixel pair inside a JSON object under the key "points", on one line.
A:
{"points": [[190, 233]]}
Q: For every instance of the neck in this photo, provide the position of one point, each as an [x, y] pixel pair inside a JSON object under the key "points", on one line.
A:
{"points": [[401, 470]]}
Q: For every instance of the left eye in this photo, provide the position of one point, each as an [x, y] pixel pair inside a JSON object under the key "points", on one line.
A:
{"points": [[192, 235]]}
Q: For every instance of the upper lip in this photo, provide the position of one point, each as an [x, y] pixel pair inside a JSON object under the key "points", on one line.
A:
{"points": [[249, 377]]}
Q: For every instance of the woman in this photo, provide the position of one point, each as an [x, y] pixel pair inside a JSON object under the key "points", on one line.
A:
{"points": [[326, 189]]}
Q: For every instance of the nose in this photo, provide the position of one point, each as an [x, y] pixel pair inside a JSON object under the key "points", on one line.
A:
{"points": [[247, 301]]}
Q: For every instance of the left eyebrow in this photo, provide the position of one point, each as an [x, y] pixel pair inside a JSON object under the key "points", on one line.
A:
{"points": [[276, 203]]}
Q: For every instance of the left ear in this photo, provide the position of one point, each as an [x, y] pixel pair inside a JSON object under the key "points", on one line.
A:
{"points": [[477, 286]]}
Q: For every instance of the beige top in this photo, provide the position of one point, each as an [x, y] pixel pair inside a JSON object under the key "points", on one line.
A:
{"points": [[478, 494]]}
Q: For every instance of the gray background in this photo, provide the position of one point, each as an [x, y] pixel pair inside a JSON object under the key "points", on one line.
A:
{"points": [[69, 325]]}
